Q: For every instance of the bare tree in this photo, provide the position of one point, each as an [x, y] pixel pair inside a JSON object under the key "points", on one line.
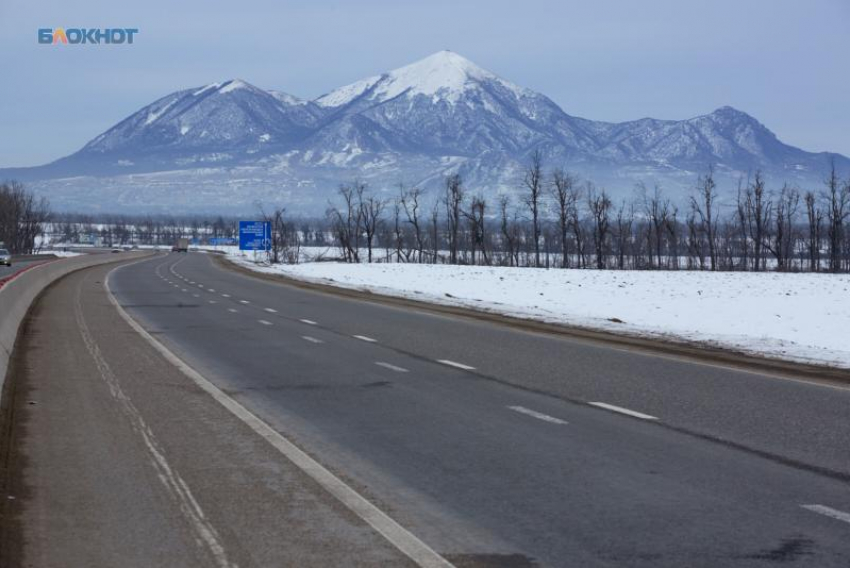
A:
{"points": [[371, 208], [599, 205], [703, 206], [410, 202], [781, 244], [837, 211], [453, 201], [656, 208], [477, 227], [565, 194], [759, 209], [347, 222], [625, 221], [533, 182], [815, 219]]}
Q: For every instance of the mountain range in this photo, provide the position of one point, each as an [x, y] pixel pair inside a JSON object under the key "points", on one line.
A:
{"points": [[227, 146]]}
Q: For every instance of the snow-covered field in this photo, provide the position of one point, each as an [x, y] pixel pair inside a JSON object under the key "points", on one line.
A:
{"points": [[801, 317]]}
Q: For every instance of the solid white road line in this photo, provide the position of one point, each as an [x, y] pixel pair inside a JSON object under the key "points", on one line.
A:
{"points": [[264, 322], [311, 339], [538, 415], [391, 367], [366, 339], [829, 512], [271, 310], [455, 365], [421, 554], [308, 322], [622, 410]]}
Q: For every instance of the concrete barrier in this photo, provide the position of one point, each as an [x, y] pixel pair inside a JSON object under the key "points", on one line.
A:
{"points": [[18, 294]]}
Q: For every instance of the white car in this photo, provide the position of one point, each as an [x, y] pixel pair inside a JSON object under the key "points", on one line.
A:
{"points": [[5, 257]]}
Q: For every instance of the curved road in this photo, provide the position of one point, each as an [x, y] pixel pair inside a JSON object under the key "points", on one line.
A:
{"points": [[500, 447]]}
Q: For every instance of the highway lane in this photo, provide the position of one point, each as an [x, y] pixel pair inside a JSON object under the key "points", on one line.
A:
{"points": [[481, 439]]}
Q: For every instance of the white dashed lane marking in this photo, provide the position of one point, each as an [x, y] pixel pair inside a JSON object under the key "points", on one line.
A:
{"points": [[391, 367], [366, 339], [538, 415], [622, 410], [455, 364], [308, 322], [828, 512], [311, 339]]}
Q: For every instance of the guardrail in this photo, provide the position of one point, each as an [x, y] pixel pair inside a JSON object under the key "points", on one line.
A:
{"points": [[18, 292]]}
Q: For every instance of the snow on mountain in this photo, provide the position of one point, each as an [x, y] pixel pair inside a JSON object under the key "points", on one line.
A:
{"points": [[442, 114], [443, 76]]}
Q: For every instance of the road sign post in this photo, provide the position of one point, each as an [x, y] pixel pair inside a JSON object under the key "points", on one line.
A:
{"points": [[255, 235]]}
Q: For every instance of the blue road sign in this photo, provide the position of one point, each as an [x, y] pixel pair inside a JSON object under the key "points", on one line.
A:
{"points": [[255, 235]]}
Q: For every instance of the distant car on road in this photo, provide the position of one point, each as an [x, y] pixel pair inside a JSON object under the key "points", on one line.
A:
{"points": [[5, 257], [182, 245]]}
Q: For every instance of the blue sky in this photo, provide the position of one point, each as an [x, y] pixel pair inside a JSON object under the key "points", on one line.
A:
{"points": [[784, 62]]}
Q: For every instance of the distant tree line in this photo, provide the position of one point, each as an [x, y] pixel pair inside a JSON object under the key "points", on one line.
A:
{"points": [[22, 218], [562, 221], [556, 220]]}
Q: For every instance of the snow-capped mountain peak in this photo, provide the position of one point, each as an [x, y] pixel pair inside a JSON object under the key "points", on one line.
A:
{"points": [[444, 75]]}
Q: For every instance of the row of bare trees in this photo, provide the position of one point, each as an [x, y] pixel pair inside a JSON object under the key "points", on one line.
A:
{"points": [[560, 220], [22, 218]]}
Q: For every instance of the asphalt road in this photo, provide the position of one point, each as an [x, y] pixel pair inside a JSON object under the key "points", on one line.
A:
{"points": [[496, 447]]}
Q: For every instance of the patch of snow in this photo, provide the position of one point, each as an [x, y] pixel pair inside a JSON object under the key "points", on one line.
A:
{"points": [[346, 94], [184, 130], [153, 115], [265, 137], [205, 89], [233, 86], [288, 99]]}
